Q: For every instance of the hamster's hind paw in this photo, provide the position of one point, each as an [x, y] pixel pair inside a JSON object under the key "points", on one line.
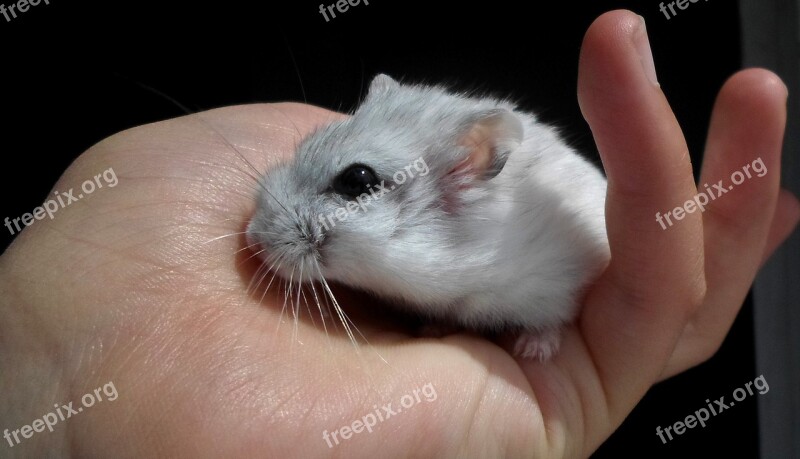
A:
{"points": [[539, 345]]}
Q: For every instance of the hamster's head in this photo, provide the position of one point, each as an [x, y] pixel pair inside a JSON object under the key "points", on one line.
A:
{"points": [[367, 201]]}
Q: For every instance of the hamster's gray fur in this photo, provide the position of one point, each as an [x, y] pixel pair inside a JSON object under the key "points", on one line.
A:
{"points": [[502, 233]]}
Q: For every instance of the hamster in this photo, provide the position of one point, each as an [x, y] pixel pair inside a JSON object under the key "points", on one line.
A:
{"points": [[463, 209]]}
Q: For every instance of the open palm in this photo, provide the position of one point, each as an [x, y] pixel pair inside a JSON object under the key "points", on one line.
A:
{"points": [[139, 285]]}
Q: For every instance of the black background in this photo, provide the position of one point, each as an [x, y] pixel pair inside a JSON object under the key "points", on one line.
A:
{"points": [[74, 72]]}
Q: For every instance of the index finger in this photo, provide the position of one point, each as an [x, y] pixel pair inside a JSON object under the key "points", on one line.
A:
{"points": [[636, 312]]}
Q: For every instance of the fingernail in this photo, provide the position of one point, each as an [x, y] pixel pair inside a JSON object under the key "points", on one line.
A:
{"points": [[642, 44]]}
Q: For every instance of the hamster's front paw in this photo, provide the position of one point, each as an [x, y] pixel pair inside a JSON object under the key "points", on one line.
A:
{"points": [[540, 345]]}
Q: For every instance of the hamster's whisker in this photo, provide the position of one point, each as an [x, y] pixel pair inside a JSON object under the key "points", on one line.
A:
{"points": [[261, 274], [339, 312], [327, 303], [303, 294], [225, 236], [276, 199], [280, 317], [277, 261], [319, 307], [255, 254], [287, 295], [296, 129], [258, 275], [308, 308], [232, 147], [296, 307], [256, 280], [255, 175]]}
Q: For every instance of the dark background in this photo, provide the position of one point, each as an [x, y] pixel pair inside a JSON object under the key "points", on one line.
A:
{"points": [[74, 72]]}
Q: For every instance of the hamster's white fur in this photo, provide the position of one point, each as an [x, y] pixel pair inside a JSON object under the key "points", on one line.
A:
{"points": [[503, 234]]}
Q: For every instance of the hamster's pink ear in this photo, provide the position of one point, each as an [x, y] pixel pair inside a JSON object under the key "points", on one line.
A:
{"points": [[489, 138], [381, 83]]}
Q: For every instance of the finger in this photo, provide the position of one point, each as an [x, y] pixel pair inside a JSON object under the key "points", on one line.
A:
{"points": [[787, 215], [635, 314], [740, 181]]}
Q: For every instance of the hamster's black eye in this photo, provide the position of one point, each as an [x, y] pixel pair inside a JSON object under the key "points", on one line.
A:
{"points": [[355, 181]]}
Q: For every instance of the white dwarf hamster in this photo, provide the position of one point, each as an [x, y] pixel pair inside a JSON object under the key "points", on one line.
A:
{"points": [[463, 209]]}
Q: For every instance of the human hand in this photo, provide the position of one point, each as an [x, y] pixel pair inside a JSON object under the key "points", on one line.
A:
{"points": [[136, 286]]}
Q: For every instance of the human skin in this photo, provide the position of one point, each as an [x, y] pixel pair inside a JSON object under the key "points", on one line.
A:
{"points": [[135, 285]]}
